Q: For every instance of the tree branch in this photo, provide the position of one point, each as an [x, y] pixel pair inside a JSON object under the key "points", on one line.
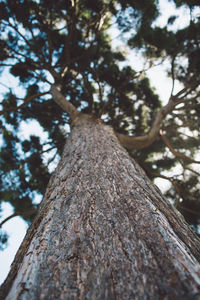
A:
{"points": [[184, 100], [171, 179], [189, 106], [140, 142], [191, 170], [26, 101], [63, 103], [189, 210], [173, 76], [177, 154], [20, 34], [23, 214]]}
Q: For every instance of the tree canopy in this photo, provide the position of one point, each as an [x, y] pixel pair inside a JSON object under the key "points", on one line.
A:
{"points": [[69, 44]]}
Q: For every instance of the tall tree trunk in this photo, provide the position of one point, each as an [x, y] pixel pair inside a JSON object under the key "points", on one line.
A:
{"points": [[104, 231]]}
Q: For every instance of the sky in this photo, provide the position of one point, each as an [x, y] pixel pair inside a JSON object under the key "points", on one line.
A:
{"points": [[16, 227]]}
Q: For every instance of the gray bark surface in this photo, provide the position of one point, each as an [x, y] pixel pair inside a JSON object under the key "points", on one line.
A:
{"points": [[104, 231]]}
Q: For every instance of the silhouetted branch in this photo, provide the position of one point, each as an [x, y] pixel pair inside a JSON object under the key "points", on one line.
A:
{"points": [[26, 101], [193, 171], [176, 153], [189, 210], [173, 76], [171, 179], [189, 106], [22, 213]]}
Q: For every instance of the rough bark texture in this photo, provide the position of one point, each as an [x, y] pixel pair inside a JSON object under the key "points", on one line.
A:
{"points": [[104, 231]]}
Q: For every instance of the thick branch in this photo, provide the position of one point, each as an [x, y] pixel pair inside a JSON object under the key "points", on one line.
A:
{"points": [[140, 142], [63, 103]]}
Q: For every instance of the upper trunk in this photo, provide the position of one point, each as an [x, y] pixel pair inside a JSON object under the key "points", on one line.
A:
{"points": [[104, 231]]}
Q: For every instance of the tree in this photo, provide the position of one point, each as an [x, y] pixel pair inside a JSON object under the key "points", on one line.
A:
{"points": [[112, 226], [103, 231]]}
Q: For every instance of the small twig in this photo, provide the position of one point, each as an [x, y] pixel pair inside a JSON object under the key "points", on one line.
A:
{"points": [[173, 76], [47, 150], [184, 100], [4, 85], [6, 65], [189, 106], [20, 34]]}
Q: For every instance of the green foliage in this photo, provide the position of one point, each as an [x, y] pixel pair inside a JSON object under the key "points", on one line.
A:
{"points": [[44, 42]]}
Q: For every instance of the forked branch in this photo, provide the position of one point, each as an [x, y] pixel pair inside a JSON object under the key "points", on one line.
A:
{"points": [[140, 142]]}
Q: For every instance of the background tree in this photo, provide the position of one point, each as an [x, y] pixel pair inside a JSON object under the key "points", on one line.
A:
{"points": [[67, 44]]}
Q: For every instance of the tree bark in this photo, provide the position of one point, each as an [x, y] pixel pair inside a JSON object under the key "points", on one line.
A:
{"points": [[104, 231]]}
